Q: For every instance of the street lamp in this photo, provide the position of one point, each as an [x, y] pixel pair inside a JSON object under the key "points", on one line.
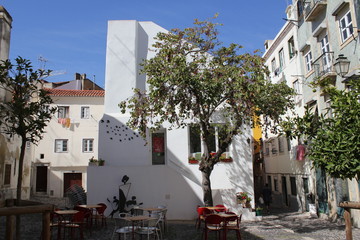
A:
{"points": [[342, 65]]}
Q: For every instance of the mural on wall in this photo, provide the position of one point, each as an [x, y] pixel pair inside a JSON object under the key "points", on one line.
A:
{"points": [[121, 204], [118, 132]]}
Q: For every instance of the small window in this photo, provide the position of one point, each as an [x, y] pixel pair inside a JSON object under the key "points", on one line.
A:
{"points": [[88, 145], [61, 145], [281, 145], [273, 65], [346, 26], [158, 148], [281, 60], [293, 186], [63, 112], [308, 61], [291, 46], [300, 7], [85, 112], [7, 174]]}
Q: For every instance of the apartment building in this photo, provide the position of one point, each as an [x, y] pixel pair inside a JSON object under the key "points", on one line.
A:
{"points": [[70, 139], [326, 46]]}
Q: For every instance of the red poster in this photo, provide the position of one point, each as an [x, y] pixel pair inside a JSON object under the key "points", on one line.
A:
{"points": [[158, 144]]}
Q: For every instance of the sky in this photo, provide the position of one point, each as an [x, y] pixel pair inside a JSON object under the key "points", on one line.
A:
{"points": [[69, 36]]}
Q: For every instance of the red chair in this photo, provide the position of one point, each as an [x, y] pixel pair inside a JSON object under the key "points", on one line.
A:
{"points": [[202, 213], [220, 210], [213, 223], [77, 222], [100, 214], [233, 224]]}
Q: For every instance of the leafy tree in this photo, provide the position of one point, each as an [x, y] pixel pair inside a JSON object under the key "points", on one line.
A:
{"points": [[26, 113], [192, 78], [334, 138]]}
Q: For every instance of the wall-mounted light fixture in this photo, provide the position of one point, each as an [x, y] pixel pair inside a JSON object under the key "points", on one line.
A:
{"points": [[342, 65]]}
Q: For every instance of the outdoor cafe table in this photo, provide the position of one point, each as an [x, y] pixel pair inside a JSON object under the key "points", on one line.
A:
{"points": [[216, 208], [150, 210], [135, 219], [226, 217], [92, 208]]}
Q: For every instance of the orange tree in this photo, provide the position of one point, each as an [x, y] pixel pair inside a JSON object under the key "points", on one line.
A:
{"points": [[192, 77]]}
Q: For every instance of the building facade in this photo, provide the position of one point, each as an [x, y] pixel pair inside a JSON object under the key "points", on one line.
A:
{"points": [[326, 35], [71, 137], [160, 172]]}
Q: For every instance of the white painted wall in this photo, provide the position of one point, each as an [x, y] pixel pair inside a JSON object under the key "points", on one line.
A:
{"points": [[177, 184]]}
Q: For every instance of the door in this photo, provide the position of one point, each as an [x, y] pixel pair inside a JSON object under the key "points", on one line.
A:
{"points": [[284, 190], [72, 179], [325, 49], [41, 179]]}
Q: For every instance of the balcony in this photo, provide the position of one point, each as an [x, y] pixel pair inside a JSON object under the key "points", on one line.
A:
{"points": [[314, 8], [324, 65]]}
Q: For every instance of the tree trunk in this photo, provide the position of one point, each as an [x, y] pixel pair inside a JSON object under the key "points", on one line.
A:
{"points": [[19, 185], [206, 185]]}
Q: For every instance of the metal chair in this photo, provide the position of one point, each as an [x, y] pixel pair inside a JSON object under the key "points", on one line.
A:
{"points": [[100, 214], [202, 212], [213, 223], [151, 227], [233, 224], [122, 226], [77, 222]]}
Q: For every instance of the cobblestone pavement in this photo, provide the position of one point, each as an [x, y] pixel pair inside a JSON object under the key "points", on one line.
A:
{"points": [[278, 225]]}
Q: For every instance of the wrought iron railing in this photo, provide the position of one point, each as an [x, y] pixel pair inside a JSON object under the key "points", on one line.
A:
{"points": [[324, 64]]}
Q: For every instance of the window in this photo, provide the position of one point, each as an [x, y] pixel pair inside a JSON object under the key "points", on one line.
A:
{"points": [[158, 148], [293, 186], [288, 141], [281, 60], [88, 145], [327, 101], [346, 26], [63, 112], [308, 61], [7, 174], [291, 46], [276, 185], [85, 112], [267, 150], [273, 65], [300, 7], [61, 145], [326, 57], [281, 145]]}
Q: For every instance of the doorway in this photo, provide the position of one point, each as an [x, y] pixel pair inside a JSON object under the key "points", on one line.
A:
{"points": [[41, 179], [72, 179], [284, 191]]}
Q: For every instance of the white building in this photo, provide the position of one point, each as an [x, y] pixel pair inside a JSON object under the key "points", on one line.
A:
{"points": [[70, 139], [159, 172]]}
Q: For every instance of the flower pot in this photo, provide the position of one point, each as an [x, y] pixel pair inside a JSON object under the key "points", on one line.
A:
{"points": [[193, 161], [226, 160], [93, 163], [258, 212]]}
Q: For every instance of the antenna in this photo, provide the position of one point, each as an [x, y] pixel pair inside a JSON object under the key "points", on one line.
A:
{"points": [[43, 62]]}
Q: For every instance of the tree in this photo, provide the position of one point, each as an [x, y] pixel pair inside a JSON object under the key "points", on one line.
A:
{"points": [[192, 77], [334, 137], [27, 112]]}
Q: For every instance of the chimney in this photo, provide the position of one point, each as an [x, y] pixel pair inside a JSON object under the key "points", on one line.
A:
{"points": [[77, 76]]}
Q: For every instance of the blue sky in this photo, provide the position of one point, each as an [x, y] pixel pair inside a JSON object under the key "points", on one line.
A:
{"points": [[71, 34]]}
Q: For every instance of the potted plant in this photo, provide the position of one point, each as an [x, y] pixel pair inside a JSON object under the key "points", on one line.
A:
{"points": [[258, 211], [225, 159], [242, 197], [193, 160], [93, 161], [101, 162]]}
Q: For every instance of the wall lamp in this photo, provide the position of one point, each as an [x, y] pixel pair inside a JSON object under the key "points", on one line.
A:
{"points": [[342, 65]]}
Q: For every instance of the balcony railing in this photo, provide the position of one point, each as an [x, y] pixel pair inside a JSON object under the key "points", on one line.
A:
{"points": [[313, 8], [323, 65]]}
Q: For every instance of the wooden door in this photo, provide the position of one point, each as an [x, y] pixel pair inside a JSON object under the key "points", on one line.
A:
{"points": [[41, 179], [71, 179]]}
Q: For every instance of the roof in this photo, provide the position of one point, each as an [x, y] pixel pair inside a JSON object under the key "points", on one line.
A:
{"points": [[75, 93]]}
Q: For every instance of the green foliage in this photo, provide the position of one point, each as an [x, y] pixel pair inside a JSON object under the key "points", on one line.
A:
{"points": [[27, 112], [334, 140]]}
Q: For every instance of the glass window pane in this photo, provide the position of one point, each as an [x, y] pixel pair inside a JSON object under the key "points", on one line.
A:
{"points": [[158, 148]]}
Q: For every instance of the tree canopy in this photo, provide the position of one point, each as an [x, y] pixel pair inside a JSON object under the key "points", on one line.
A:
{"points": [[194, 78], [27, 112]]}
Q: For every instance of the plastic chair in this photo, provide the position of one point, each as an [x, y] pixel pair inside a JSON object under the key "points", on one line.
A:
{"points": [[220, 210], [122, 226], [213, 223], [233, 224], [202, 212], [152, 228], [77, 222]]}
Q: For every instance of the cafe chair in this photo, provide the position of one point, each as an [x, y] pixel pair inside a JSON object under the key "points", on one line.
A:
{"points": [[77, 222], [233, 224], [87, 215], [151, 228], [99, 215], [202, 212], [220, 210], [213, 223], [122, 226], [163, 222]]}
